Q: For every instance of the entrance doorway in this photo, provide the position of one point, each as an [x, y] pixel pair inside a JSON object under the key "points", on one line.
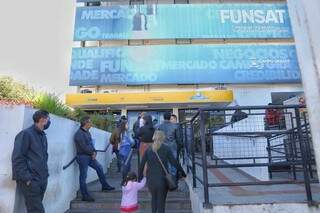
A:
{"points": [[133, 116], [279, 97]]}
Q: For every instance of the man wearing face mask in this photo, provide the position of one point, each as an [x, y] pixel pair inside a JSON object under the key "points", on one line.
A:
{"points": [[86, 156], [30, 162]]}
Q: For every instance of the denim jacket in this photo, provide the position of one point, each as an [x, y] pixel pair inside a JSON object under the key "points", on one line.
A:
{"points": [[125, 145]]}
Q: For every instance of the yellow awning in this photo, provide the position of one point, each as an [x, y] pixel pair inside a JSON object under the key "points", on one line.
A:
{"points": [[150, 98]]}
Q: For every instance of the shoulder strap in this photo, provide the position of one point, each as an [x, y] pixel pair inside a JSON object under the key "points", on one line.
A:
{"points": [[163, 167]]}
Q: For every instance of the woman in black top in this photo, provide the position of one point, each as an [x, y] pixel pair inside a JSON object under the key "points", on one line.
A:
{"points": [[156, 181], [145, 134]]}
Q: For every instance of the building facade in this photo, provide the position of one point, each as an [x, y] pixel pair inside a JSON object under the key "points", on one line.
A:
{"points": [[177, 55]]}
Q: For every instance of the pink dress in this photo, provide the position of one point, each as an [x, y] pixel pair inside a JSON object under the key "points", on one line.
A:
{"points": [[129, 201]]}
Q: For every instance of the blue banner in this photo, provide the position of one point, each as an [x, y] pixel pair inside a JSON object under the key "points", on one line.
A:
{"points": [[184, 64], [183, 21]]}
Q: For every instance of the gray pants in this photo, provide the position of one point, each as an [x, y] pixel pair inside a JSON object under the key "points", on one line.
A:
{"points": [[33, 195]]}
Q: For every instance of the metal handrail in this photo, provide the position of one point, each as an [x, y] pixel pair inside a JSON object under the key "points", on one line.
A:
{"points": [[252, 107], [74, 158], [298, 132]]}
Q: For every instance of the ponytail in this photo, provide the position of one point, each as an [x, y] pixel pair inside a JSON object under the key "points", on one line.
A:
{"points": [[131, 176]]}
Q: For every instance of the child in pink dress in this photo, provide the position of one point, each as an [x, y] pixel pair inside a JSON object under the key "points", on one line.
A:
{"points": [[130, 188]]}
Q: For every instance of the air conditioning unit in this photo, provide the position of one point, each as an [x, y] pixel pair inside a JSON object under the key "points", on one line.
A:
{"points": [[109, 91], [220, 87], [86, 90], [92, 4]]}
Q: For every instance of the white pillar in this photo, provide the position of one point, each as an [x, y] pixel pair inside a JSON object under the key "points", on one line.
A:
{"points": [[305, 20], [176, 112], [124, 112]]}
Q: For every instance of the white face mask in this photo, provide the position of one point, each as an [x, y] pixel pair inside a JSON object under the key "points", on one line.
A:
{"points": [[141, 122]]}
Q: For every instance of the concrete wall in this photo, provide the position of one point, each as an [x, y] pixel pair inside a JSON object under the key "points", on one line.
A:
{"points": [[8, 129], [252, 95], [63, 184]]}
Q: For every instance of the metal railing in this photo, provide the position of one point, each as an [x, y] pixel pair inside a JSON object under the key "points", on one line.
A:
{"points": [[75, 157], [279, 144]]}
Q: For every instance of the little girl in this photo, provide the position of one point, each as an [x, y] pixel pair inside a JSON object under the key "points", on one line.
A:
{"points": [[130, 188]]}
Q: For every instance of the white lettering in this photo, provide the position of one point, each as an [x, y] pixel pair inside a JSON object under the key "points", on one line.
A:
{"points": [[248, 16], [110, 66], [271, 17], [224, 14], [252, 16], [280, 15], [82, 75], [259, 16], [96, 14], [236, 16], [92, 33]]}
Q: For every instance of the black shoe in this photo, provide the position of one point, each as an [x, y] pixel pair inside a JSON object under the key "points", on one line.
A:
{"points": [[88, 199], [108, 188]]}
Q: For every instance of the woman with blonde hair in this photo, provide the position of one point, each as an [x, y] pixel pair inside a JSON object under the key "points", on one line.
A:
{"points": [[156, 176]]}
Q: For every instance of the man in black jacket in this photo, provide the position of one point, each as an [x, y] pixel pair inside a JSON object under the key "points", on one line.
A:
{"points": [[86, 156], [138, 124], [174, 120], [173, 137], [30, 162]]}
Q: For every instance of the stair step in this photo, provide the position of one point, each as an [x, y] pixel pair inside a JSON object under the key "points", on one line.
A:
{"points": [[117, 211], [112, 169], [109, 202], [96, 187], [108, 176], [115, 204], [141, 195]]}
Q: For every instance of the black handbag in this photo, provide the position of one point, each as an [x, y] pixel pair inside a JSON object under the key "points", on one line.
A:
{"points": [[170, 179]]}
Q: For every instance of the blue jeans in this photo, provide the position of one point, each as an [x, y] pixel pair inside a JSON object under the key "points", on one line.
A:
{"points": [[84, 162], [125, 168], [174, 150]]}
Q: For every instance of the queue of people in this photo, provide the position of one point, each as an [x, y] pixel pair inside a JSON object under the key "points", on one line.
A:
{"points": [[158, 147]]}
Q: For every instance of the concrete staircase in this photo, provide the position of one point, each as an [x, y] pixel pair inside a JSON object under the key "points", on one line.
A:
{"points": [[109, 202]]}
